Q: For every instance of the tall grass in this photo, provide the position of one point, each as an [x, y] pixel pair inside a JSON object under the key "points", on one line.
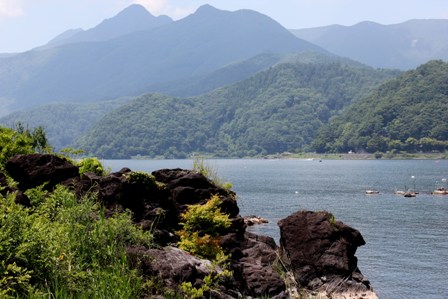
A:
{"points": [[201, 165], [63, 247]]}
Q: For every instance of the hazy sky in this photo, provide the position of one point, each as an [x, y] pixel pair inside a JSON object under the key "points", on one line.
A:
{"points": [[25, 24]]}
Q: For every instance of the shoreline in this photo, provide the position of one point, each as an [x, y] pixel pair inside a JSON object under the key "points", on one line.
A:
{"points": [[311, 156], [363, 156]]}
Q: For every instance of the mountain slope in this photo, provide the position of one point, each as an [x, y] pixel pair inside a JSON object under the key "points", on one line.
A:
{"points": [[128, 65], [63, 122], [226, 75], [133, 18], [403, 46], [63, 131], [276, 110], [407, 113]]}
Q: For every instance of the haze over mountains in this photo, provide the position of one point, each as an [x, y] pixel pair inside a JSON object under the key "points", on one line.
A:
{"points": [[130, 64], [403, 46], [228, 83], [133, 18]]}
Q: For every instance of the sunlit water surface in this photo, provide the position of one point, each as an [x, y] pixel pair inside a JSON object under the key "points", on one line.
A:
{"points": [[406, 255]]}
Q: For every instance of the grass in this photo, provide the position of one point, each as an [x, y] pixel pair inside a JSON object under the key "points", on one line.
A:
{"points": [[201, 166], [64, 247]]}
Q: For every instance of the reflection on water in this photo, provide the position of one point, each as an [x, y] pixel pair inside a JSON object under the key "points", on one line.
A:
{"points": [[406, 255]]}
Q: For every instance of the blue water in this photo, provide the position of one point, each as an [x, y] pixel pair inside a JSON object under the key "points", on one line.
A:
{"points": [[406, 255]]}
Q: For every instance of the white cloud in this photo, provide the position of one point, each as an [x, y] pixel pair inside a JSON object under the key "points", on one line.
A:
{"points": [[9, 8]]}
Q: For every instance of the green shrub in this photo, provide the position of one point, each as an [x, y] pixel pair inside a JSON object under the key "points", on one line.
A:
{"points": [[91, 165], [13, 143], [22, 141], [201, 225], [142, 178], [64, 247]]}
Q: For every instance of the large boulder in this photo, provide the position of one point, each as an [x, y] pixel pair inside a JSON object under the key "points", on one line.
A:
{"points": [[171, 266], [188, 187], [259, 274], [33, 170], [321, 252]]}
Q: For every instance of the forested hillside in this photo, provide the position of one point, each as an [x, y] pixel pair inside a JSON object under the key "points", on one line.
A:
{"points": [[408, 113], [277, 110], [63, 122]]}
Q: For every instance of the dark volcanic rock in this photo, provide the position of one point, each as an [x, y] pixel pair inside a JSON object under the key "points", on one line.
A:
{"points": [[321, 251], [189, 187], [258, 273], [173, 266], [35, 169], [186, 187]]}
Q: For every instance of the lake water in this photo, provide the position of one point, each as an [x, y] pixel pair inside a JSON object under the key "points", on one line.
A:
{"points": [[406, 255]]}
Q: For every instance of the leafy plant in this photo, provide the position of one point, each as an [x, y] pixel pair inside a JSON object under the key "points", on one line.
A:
{"points": [[201, 227], [200, 235], [91, 165], [65, 247], [218, 273]]}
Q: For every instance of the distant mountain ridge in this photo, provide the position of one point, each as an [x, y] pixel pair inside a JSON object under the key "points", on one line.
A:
{"points": [[131, 19], [130, 64], [403, 46]]}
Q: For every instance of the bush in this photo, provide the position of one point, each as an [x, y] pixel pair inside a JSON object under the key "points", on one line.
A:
{"points": [[91, 165], [13, 143], [65, 248], [201, 227]]}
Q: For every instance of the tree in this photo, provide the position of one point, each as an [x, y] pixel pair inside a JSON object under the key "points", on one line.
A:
{"points": [[12, 143], [21, 141]]}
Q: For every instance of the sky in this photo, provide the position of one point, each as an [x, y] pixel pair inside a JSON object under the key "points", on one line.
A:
{"points": [[25, 24]]}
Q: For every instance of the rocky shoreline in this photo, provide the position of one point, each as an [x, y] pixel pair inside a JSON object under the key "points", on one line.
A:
{"points": [[316, 256]]}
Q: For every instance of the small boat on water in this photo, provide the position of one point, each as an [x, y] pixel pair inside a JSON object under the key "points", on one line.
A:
{"points": [[372, 192], [440, 191], [410, 194]]}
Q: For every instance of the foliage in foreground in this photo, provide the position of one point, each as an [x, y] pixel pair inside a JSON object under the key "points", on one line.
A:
{"points": [[91, 165], [200, 235], [201, 229], [62, 247], [21, 141]]}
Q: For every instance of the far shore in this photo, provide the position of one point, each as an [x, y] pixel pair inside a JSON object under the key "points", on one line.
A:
{"points": [[361, 156], [316, 156]]}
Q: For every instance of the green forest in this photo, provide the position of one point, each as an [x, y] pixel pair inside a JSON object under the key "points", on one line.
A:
{"points": [[303, 104], [277, 110], [404, 114]]}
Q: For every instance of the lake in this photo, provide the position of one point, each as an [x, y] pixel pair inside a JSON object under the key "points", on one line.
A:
{"points": [[406, 255]]}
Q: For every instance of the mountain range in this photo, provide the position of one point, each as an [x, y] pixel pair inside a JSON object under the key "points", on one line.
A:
{"points": [[130, 64], [133, 18], [222, 83], [403, 46]]}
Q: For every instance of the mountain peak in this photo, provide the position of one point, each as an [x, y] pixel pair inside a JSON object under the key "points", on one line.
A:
{"points": [[134, 10], [206, 9], [131, 19]]}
